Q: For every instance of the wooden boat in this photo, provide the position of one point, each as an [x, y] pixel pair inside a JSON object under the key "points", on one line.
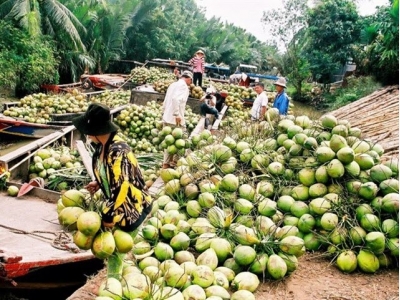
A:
{"points": [[31, 237], [24, 129]]}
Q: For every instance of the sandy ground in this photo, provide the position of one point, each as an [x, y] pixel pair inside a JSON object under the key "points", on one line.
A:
{"points": [[315, 279]]}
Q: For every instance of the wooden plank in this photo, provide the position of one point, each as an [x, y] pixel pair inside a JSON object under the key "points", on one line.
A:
{"points": [[156, 187], [218, 121], [86, 158]]}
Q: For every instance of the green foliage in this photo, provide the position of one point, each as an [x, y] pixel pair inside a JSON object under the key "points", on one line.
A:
{"points": [[332, 30], [378, 52], [356, 88], [26, 62], [288, 26]]}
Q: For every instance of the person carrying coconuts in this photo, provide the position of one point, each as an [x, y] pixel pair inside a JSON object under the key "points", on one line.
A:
{"points": [[116, 171], [174, 109], [281, 101], [260, 103]]}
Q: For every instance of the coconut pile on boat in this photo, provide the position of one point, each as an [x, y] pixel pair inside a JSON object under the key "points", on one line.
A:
{"points": [[244, 207]]}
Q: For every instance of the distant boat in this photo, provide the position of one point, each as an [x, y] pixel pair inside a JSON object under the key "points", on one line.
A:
{"points": [[24, 129]]}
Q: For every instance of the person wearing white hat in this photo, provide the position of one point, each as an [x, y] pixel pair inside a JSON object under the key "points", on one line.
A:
{"points": [[197, 62], [281, 101]]}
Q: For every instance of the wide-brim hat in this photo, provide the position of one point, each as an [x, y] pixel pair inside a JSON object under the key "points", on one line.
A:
{"points": [[281, 81], [187, 74], [95, 121], [199, 52]]}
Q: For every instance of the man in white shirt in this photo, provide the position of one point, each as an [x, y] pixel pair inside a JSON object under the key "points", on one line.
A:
{"points": [[174, 108], [260, 103]]}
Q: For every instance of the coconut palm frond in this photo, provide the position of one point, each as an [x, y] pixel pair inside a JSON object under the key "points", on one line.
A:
{"points": [[63, 20]]}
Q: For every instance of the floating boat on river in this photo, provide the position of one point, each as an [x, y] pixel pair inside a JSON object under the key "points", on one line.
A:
{"points": [[24, 129], [31, 237]]}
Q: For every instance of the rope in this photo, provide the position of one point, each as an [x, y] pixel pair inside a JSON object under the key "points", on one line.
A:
{"points": [[61, 239]]}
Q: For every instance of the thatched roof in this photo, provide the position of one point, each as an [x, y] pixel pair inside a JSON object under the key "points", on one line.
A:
{"points": [[377, 115]]}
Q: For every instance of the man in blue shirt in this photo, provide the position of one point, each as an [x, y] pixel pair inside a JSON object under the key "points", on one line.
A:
{"points": [[281, 101]]}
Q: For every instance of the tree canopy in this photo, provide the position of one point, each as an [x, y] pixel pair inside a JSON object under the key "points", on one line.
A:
{"points": [[88, 35]]}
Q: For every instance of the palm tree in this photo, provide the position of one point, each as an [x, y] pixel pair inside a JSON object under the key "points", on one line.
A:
{"points": [[52, 18], [47, 17]]}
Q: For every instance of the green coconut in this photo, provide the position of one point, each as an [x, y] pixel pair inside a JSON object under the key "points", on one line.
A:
{"points": [[284, 124], [370, 222], [321, 175], [337, 142], [265, 188], [267, 207], [355, 131], [329, 221], [393, 164], [390, 203], [281, 138], [285, 202], [276, 267], [393, 246], [357, 235], [391, 228], [300, 192], [335, 169], [310, 143], [345, 155], [291, 261], [323, 136], [361, 146], [319, 206], [367, 261], [307, 176], [375, 241], [299, 208], [303, 121], [317, 190], [229, 183], [363, 209], [385, 260], [368, 190], [379, 173], [341, 130], [353, 186], [306, 223], [293, 130], [389, 186], [324, 154], [353, 169], [276, 168], [312, 241], [295, 150], [328, 121], [347, 261]]}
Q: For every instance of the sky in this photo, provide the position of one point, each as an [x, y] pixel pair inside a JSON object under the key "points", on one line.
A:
{"points": [[247, 14]]}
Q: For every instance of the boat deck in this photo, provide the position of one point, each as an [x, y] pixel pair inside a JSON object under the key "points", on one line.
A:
{"points": [[29, 230]]}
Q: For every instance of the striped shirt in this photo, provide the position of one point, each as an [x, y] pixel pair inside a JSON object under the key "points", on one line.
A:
{"points": [[197, 63]]}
